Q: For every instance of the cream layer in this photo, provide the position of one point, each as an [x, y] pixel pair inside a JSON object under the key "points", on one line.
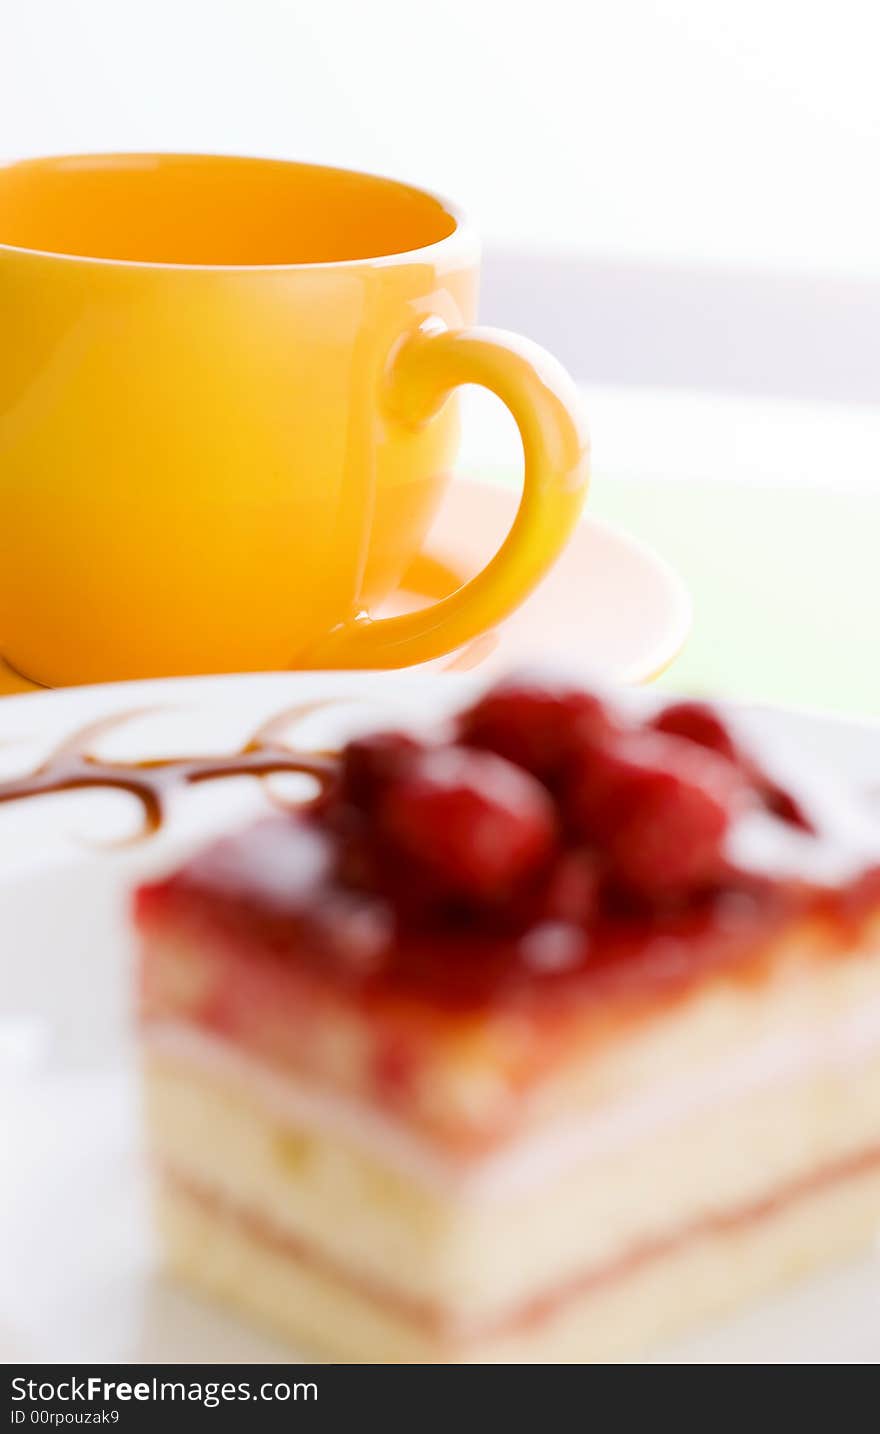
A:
{"points": [[539, 1158], [599, 1315]]}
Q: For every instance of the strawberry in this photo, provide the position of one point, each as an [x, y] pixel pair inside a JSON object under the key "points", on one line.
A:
{"points": [[700, 723], [472, 823], [657, 809], [536, 723], [571, 891], [369, 764]]}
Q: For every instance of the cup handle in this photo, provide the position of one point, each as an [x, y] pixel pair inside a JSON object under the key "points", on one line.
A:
{"points": [[423, 371]]}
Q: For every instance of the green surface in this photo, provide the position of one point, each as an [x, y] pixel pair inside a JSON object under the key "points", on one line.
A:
{"points": [[785, 583]]}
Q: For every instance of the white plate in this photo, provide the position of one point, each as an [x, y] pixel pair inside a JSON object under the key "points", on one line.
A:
{"points": [[79, 1282]]}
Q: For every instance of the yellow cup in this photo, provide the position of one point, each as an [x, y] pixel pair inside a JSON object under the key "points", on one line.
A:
{"points": [[227, 418]]}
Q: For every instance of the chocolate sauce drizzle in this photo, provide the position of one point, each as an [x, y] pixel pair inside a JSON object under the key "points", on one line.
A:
{"points": [[72, 765]]}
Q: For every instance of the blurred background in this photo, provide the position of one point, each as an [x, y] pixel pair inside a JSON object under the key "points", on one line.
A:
{"points": [[679, 197]]}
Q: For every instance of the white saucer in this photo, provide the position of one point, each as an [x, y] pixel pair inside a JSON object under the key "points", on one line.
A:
{"points": [[80, 1282], [609, 604]]}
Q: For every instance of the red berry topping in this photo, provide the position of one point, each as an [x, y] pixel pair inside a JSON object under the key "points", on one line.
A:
{"points": [[369, 764], [538, 724], [783, 805], [658, 811], [470, 821], [699, 723], [572, 890]]}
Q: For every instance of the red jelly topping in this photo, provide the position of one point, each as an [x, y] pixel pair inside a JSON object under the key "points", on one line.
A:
{"points": [[551, 853], [369, 765], [657, 809], [537, 724], [470, 823], [699, 723]]}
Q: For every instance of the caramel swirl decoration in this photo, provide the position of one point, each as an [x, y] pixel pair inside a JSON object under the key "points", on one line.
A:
{"points": [[73, 765]]}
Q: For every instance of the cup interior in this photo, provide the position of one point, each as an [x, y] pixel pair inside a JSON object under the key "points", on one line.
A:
{"points": [[211, 210]]}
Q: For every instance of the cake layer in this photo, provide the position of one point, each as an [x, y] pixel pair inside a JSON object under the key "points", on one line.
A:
{"points": [[638, 1169], [530, 1040], [472, 1084], [226, 1255]]}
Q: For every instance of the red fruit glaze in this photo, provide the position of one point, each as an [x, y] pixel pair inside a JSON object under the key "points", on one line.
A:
{"points": [[700, 723], [447, 880], [538, 725], [572, 889], [368, 764], [784, 806], [473, 823], [658, 810], [269, 940]]}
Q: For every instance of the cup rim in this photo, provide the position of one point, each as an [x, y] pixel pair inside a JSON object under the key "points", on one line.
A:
{"points": [[461, 234]]}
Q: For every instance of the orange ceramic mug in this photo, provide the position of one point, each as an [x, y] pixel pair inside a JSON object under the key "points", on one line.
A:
{"points": [[227, 416]]}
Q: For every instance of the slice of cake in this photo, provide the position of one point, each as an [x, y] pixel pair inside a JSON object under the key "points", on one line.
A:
{"points": [[533, 1043]]}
